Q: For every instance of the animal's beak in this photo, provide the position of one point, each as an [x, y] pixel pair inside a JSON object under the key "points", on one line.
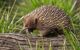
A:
{"points": [[26, 30]]}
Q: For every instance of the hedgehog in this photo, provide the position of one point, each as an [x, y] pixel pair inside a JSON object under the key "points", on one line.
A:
{"points": [[49, 20]]}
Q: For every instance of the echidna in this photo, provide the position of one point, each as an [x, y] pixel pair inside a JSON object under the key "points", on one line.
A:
{"points": [[48, 19]]}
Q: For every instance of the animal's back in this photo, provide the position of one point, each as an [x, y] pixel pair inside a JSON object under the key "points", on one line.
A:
{"points": [[51, 16]]}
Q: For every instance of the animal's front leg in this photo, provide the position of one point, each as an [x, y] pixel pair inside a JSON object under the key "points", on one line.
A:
{"points": [[42, 33]]}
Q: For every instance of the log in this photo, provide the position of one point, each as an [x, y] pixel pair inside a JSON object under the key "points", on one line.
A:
{"points": [[16, 41]]}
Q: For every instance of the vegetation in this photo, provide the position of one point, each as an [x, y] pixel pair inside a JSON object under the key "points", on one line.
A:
{"points": [[11, 12]]}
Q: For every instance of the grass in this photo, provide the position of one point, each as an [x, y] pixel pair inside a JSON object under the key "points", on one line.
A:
{"points": [[11, 22], [8, 22], [72, 40]]}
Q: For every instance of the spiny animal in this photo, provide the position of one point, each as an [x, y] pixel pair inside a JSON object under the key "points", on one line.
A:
{"points": [[48, 19]]}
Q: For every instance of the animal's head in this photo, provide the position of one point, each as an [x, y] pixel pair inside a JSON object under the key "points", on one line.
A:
{"points": [[29, 23]]}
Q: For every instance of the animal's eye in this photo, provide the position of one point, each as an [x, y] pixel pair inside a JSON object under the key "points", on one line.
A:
{"points": [[36, 21]]}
